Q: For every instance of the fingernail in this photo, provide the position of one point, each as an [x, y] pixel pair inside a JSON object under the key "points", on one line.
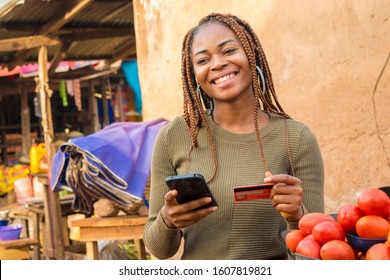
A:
{"points": [[267, 179]]}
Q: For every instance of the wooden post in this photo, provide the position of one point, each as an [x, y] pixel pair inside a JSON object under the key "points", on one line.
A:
{"points": [[25, 122], [106, 120], [92, 250], [93, 110], [119, 98], [53, 216], [36, 221], [3, 136]]}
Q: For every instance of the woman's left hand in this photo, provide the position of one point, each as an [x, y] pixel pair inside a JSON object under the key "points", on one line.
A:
{"points": [[286, 195]]}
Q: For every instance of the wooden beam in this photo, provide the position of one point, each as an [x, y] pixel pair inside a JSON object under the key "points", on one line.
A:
{"points": [[29, 42], [98, 33], [58, 57], [50, 27], [118, 11], [56, 23], [31, 27], [99, 74], [13, 26], [122, 53]]}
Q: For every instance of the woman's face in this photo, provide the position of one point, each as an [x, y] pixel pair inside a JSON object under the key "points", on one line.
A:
{"points": [[220, 63]]}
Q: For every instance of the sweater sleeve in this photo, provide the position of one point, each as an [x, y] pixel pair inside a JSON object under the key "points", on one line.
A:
{"points": [[308, 166], [162, 242]]}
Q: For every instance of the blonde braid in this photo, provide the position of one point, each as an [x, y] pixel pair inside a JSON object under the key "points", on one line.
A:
{"points": [[194, 115]]}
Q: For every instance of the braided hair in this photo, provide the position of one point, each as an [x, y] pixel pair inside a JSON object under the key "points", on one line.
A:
{"points": [[194, 114]]}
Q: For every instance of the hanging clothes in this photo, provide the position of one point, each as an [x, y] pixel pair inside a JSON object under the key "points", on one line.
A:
{"points": [[77, 94], [73, 88]]}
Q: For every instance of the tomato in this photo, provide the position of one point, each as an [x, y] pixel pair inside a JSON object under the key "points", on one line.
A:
{"points": [[388, 239], [347, 216], [327, 231], [310, 237], [374, 202], [308, 221], [309, 247], [337, 250], [293, 237], [371, 226], [379, 251]]}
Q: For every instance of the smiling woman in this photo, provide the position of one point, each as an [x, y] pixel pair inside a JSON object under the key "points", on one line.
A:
{"points": [[235, 133], [221, 66]]}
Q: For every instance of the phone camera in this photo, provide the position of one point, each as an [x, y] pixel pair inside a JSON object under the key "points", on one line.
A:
{"points": [[186, 186]]}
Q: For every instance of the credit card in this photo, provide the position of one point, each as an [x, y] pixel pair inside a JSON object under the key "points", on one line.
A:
{"points": [[245, 193]]}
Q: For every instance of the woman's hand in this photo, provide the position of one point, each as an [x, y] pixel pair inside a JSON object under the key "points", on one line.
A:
{"points": [[183, 215], [286, 195]]}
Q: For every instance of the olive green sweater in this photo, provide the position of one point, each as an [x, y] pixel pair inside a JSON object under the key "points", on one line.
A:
{"points": [[244, 230]]}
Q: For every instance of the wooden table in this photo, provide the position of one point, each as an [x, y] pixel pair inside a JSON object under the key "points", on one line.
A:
{"points": [[127, 227], [16, 249], [25, 213]]}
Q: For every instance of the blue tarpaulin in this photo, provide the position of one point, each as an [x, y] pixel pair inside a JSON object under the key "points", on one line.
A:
{"points": [[130, 69], [112, 163]]}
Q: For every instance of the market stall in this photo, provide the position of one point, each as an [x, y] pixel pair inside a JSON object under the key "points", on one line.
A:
{"points": [[77, 48]]}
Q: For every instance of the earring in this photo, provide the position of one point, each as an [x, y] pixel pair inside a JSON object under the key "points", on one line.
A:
{"points": [[210, 101], [198, 92], [262, 78]]}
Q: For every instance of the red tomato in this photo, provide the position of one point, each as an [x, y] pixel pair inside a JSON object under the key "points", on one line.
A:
{"points": [[327, 231], [388, 239], [310, 236], [293, 237], [379, 251], [374, 202], [337, 250], [308, 221], [309, 248], [347, 216], [371, 226]]}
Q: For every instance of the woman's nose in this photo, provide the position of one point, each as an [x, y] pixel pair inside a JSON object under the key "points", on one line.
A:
{"points": [[218, 62]]}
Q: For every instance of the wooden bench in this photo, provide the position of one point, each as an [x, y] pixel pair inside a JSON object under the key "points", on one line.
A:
{"points": [[127, 227], [17, 249]]}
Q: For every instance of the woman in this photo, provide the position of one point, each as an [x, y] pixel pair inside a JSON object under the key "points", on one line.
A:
{"points": [[241, 137]]}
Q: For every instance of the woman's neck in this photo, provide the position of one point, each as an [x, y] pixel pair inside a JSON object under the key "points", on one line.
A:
{"points": [[238, 120]]}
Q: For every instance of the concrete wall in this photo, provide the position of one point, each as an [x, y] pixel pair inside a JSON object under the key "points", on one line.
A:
{"points": [[330, 67]]}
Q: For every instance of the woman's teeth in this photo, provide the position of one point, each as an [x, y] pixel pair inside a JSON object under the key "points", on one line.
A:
{"points": [[224, 78]]}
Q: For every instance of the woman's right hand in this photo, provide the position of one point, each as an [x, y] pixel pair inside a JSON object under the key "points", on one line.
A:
{"points": [[177, 215]]}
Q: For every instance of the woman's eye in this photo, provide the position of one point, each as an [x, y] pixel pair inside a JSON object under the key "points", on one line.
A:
{"points": [[201, 61], [229, 51]]}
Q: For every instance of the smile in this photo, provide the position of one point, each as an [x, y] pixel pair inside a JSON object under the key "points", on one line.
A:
{"points": [[224, 78]]}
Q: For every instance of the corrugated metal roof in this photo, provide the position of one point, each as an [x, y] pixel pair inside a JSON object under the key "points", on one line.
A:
{"points": [[103, 29]]}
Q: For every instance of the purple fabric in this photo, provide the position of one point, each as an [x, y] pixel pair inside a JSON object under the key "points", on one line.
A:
{"points": [[112, 163]]}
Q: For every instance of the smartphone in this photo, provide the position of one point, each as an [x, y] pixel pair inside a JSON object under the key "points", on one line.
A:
{"points": [[190, 187], [245, 193]]}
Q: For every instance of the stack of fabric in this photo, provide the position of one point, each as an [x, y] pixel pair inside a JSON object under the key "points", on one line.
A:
{"points": [[112, 163]]}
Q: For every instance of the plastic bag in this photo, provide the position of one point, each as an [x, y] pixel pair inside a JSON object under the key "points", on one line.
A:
{"points": [[8, 175]]}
